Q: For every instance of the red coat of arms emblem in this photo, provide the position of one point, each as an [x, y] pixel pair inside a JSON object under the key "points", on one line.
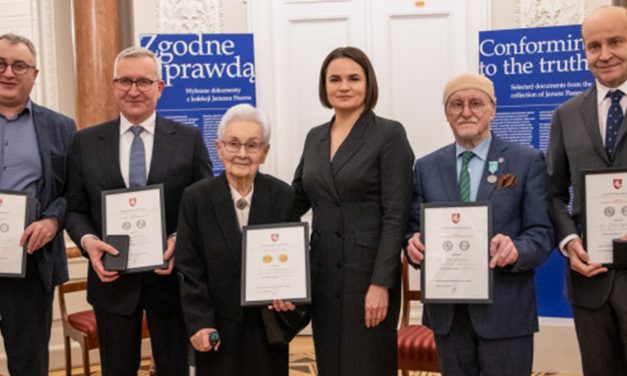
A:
{"points": [[618, 183], [456, 217], [132, 201], [274, 237]]}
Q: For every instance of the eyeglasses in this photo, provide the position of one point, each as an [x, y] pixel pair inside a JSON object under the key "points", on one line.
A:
{"points": [[18, 68], [234, 146], [142, 84], [457, 106]]}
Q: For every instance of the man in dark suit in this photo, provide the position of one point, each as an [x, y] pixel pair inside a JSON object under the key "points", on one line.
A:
{"points": [[105, 157], [495, 338], [586, 133], [34, 144]]}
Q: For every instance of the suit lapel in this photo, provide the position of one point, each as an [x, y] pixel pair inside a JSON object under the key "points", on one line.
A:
{"points": [[447, 165], [590, 115], [108, 150], [227, 220], [353, 142], [323, 160], [260, 205], [162, 151], [40, 123], [496, 153], [621, 133]]}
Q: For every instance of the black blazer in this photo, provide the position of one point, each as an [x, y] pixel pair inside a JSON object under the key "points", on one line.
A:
{"points": [[179, 158], [209, 245], [54, 138]]}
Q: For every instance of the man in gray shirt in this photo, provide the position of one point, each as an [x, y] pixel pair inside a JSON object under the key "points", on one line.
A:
{"points": [[34, 144]]}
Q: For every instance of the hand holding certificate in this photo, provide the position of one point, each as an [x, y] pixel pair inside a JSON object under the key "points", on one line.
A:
{"points": [[605, 215], [138, 213], [275, 264], [455, 268], [13, 210]]}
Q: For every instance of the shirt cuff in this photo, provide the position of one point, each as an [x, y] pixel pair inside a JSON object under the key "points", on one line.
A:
{"points": [[87, 236], [562, 245]]}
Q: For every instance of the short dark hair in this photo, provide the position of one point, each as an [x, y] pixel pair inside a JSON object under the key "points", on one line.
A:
{"points": [[19, 39], [358, 56]]}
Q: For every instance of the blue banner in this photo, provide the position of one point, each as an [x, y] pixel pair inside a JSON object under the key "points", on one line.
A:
{"points": [[204, 75], [534, 71]]}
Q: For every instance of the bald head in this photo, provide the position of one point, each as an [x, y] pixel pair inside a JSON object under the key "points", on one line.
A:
{"points": [[605, 39]]}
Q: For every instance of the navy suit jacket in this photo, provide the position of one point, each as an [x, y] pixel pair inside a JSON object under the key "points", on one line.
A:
{"points": [[179, 159], [520, 212], [54, 137]]}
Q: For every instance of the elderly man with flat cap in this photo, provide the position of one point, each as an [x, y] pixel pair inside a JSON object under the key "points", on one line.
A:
{"points": [[495, 338]]}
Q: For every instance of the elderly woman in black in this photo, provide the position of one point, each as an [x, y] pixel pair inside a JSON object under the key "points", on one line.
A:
{"points": [[356, 175], [208, 251]]}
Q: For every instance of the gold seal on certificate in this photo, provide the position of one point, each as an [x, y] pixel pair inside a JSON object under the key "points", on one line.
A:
{"points": [[604, 212], [275, 264], [138, 213], [13, 219], [457, 252]]}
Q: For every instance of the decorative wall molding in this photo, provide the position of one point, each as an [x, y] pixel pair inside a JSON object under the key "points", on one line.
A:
{"points": [[190, 16], [533, 13], [47, 53]]}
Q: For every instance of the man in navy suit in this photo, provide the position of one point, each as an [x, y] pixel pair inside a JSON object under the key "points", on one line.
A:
{"points": [[34, 145], [105, 157], [496, 338], [588, 132]]}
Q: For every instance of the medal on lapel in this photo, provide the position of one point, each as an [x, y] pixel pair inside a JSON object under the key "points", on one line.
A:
{"points": [[493, 167]]}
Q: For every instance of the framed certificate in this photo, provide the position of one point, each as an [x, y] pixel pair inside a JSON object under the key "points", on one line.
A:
{"points": [[275, 264], [138, 213], [13, 220], [604, 212], [457, 252]]}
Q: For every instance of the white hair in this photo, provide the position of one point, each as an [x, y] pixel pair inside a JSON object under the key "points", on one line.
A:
{"points": [[132, 52], [245, 112]]}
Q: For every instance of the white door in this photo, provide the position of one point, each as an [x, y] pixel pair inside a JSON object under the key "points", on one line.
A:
{"points": [[414, 46]]}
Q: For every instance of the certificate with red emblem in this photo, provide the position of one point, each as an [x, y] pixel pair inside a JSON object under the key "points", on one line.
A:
{"points": [[138, 213], [13, 219], [275, 264], [457, 252], [604, 214]]}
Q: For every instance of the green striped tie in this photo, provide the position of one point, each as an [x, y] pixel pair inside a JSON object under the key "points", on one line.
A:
{"points": [[464, 177]]}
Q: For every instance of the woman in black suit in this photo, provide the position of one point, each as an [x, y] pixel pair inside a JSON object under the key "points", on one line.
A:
{"points": [[356, 175], [208, 251]]}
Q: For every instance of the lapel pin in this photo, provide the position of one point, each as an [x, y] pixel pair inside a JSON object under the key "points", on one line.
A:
{"points": [[493, 167]]}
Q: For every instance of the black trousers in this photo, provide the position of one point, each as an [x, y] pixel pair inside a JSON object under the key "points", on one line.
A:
{"points": [[120, 342], [602, 332], [244, 350], [25, 320]]}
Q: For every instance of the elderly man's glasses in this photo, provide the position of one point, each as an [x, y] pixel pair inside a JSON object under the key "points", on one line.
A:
{"points": [[457, 106], [18, 68], [142, 84], [234, 146]]}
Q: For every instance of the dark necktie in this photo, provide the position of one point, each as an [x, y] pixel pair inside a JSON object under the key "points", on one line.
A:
{"points": [[137, 160], [614, 120], [464, 177]]}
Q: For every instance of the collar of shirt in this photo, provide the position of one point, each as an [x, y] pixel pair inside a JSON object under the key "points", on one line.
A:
{"points": [[148, 124], [242, 214], [28, 108], [236, 196], [481, 150], [602, 91]]}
